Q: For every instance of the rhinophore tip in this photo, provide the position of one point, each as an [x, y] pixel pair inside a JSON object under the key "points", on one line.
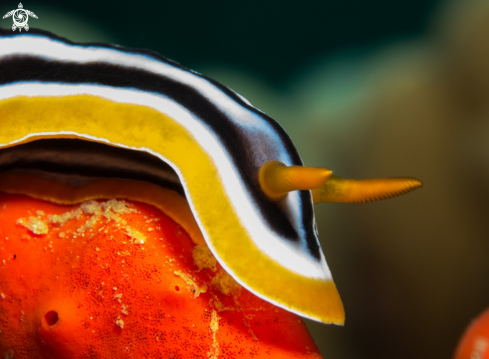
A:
{"points": [[338, 189]]}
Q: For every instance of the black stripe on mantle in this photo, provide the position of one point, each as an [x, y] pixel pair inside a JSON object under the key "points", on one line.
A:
{"points": [[238, 145]]}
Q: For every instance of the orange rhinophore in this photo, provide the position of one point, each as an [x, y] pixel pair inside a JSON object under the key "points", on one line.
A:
{"points": [[276, 180], [120, 279], [342, 190]]}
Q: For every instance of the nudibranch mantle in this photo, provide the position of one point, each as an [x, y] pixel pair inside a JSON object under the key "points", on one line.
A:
{"points": [[215, 142], [281, 252]]}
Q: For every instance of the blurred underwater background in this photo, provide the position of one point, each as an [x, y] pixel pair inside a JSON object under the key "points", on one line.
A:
{"points": [[368, 89]]}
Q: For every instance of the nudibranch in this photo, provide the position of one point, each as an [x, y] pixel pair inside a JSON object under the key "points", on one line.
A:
{"points": [[120, 123]]}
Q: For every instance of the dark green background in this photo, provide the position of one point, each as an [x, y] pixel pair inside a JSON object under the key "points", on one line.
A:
{"points": [[271, 39]]}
